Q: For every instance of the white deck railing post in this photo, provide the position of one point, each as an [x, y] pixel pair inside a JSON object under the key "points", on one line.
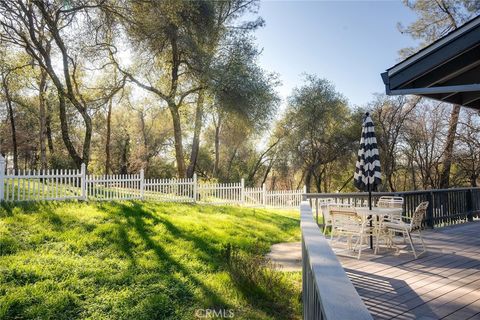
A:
{"points": [[2, 177], [243, 191], [195, 190], [83, 182], [142, 184]]}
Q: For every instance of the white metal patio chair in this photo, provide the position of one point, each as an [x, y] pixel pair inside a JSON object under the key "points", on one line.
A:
{"points": [[407, 229], [390, 202], [322, 205], [326, 208], [346, 223]]}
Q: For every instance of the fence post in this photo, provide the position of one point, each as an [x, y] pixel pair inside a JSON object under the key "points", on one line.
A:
{"points": [[142, 184], [243, 191], [195, 188], [264, 195], [469, 205], [2, 177], [83, 182]]}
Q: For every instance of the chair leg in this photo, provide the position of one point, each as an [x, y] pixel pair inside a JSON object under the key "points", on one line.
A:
{"points": [[411, 244], [349, 243], [360, 248], [423, 242], [377, 241]]}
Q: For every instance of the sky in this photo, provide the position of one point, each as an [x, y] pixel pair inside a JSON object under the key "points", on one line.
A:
{"points": [[347, 42]]}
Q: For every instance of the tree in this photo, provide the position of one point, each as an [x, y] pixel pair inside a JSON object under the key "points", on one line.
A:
{"points": [[467, 154], [224, 34], [30, 24], [167, 33], [423, 143], [390, 116], [180, 39], [319, 123], [242, 91], [13, 80], [435, 19]]}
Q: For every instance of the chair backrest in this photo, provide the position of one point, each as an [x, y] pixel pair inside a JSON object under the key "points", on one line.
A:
{"points": [[390, 202], [418, 216], [327, 206], [344, 216]]}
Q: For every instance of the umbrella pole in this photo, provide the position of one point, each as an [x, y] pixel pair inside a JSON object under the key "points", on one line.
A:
{"points": [[370, 208]]}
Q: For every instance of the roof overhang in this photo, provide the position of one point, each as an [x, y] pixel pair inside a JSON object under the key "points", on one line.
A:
{"points": [[447, 70]]}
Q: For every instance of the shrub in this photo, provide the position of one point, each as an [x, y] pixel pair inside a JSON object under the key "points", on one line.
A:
{"points": [[264, 286]]}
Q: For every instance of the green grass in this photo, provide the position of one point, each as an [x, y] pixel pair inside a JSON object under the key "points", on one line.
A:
{"points": [[143, 260]]}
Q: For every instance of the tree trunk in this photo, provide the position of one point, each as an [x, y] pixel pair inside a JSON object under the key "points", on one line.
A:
{"points": [[146, 155], [448, 151], [259, 162], [412, 172], [389, 172], [196, 134], [299, 184], [217, 149], [48, 127], [345, 183], [107, 139], [177, 132], [88, 136], [230, 162], [42, 88], [390, 182], [473, 180], [124, 157], [317, 179], [64, 130], [267, 172], [308, 179], [12, 125]]}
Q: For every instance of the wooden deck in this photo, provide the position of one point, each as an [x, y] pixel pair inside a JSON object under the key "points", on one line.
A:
{"points": [[444, 283]]}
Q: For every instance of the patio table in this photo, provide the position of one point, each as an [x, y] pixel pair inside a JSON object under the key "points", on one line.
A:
{"points": [[378, 215]]}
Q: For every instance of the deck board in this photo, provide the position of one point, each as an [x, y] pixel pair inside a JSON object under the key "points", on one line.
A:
{"points": [[444, 283]]}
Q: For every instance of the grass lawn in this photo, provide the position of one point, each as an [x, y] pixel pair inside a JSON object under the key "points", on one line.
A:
{"points": [[143, 260]]}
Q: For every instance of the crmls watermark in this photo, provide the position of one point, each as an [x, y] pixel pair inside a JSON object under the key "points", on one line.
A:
{"points": [[215, 313]]}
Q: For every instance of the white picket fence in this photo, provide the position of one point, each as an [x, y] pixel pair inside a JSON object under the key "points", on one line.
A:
{"points": [[170, 190], [77, 184], [41, 185]]}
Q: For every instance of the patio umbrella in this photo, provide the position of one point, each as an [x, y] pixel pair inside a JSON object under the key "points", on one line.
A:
{"points": [[367, 170]]}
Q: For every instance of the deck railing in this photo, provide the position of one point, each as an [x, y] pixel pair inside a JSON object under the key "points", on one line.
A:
{"points": [[327, 292], [447, 206]]}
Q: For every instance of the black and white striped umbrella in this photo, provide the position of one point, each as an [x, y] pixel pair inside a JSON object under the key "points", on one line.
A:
{"points": [[367, 171]]}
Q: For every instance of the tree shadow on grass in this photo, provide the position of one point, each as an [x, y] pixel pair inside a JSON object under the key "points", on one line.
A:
{"points": [[45, 210], [135, 215], [260, 215], [44, 213]]}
